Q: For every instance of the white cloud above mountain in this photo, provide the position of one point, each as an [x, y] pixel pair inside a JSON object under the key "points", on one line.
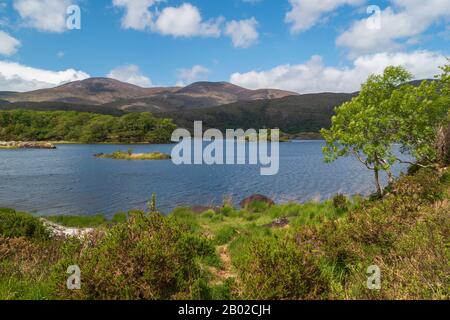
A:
{"points": [[18, 77], [43, 15], [243, 33], [314, 76], [182, 21], [8, 44], [186, 21], [137, 13], [130, 74], [190, 75]]}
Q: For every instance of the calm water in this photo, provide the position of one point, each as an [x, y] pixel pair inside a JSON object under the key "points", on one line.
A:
{"points": [[70, 180]]}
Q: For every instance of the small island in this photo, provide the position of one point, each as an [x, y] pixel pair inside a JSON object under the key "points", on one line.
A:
{"points": [[9, 145], [129, 155]]}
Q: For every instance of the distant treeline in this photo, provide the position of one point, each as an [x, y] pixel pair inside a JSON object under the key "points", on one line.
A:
{"points": [[27, 125]]}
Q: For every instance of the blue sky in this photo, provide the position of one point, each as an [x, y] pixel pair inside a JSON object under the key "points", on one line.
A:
{"points": [[299, 45]]}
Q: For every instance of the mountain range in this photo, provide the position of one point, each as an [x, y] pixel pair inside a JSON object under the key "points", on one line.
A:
{"points": [[128, 97], [218, 104]]}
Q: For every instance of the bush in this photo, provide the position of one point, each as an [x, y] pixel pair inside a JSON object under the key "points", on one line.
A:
{"points": [[119, 217], [423, 186], [279, 269], [340, 202], [148, 257], [16, 224]]}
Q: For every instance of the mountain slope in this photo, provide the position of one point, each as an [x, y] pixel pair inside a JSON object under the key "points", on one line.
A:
{"points": [[292, 114], [125, 96], [93, 91]]}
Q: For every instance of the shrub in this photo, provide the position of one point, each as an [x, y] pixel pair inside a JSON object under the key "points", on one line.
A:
{"points": [[423, 186], [17, 224], [148, 257], [340, 202], [279, 269], [119, 217]]}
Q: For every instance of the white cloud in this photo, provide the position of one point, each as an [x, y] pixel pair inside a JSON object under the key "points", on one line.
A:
{"points": [[130, 74], [8, 44], [17, 77], [304, 14], [44, 15], [243, 33], [196, 73], [314, 76], [186, 21], [401, 25], [137, 13], [183, 21]]}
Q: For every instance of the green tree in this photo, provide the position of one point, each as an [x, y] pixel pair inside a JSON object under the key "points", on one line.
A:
{"points": [[443, 138], [363, 128], [386, 112]]}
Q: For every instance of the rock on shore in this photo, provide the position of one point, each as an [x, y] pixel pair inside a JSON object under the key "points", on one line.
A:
{"points": [[26, 145], [61, 231]]}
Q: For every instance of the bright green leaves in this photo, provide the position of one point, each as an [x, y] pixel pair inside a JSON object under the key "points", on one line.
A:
{"points": [[389, 111]]}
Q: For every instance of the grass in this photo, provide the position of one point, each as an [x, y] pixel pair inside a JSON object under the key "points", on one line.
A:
{"points": [[323, 253], [121, 155]]}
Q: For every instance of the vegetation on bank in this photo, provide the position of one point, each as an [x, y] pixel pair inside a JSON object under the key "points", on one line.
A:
{"points": [[129, 155], [322, 252], [26, 125]]}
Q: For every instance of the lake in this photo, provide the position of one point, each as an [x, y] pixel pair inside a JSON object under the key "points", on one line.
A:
{"points": [[69, 180]]}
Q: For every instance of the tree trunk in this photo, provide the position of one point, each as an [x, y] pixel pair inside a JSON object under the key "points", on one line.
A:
{"points": [[390, 176], [377, 182], [443, 145]]}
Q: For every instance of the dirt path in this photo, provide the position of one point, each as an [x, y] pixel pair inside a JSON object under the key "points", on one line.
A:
{"points": [[226, 272]]}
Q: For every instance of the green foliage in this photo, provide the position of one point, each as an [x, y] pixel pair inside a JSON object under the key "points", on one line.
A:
{"points": [[83, 127], [387, 112], [279, 269], [15, 224], [148, 257], [225, 235], [405, 234], [340, 202], [119, 217], [152, 208]]}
